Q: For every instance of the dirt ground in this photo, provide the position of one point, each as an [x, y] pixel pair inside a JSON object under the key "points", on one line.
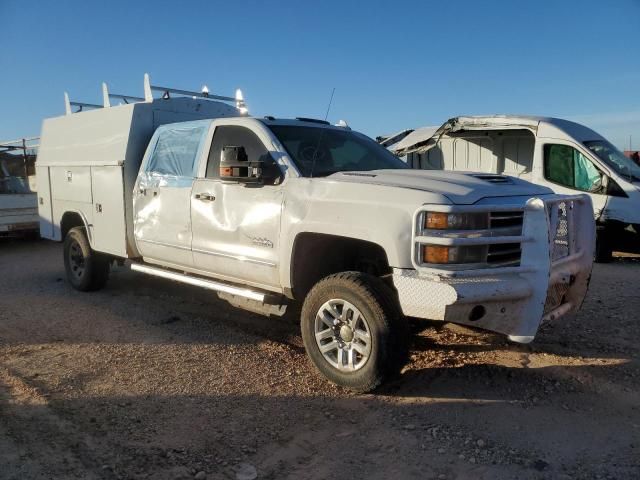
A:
{"points": [[150, 379]]}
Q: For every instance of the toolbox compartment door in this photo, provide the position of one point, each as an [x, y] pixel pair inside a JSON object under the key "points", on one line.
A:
{"points": [[44, 202], [109, 231]]}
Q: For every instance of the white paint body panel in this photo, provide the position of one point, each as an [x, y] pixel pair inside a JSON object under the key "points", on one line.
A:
{"points": [[238, 234]]}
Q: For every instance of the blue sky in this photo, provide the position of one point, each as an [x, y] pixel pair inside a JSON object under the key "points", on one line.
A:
{"points": [[394, 64]]}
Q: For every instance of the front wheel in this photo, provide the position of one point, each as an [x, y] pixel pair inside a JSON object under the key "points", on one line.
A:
{"points": [[604, 247], [353, 330], [87, 270]]}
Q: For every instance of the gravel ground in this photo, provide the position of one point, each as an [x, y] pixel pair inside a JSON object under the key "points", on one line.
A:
{"points": [[150, 379]]}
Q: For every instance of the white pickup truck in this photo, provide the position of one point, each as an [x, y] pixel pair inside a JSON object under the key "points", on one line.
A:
{"points": [[267, 211]]}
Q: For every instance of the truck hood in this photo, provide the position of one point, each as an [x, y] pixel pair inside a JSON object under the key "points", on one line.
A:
{"points": [[460, 188]]}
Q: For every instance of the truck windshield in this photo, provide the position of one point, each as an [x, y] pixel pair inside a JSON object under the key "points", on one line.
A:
{"points": [[615, 159], [318, 152]]}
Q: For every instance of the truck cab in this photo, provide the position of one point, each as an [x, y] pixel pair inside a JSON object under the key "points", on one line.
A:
{"points": [[564, 156], [270, 212]]}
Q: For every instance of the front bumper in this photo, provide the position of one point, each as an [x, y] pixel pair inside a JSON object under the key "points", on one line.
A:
{"points": [[551, 280]]}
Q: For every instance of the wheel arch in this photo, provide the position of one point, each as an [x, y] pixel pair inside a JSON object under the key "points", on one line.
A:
{"points": [[71, 219], [317, 255]]}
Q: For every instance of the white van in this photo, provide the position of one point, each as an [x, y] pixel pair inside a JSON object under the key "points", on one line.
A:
{"points": [[562, 155]]}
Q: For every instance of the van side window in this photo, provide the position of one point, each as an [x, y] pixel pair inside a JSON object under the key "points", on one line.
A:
{"points": [[176, 151], [227, 135], [566, 166]]}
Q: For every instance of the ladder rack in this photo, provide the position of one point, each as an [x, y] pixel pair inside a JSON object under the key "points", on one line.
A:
{"points": [[149, 97], [24, 144]]}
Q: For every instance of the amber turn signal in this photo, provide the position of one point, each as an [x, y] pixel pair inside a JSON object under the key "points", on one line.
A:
{"points": [[435, 220], [435, 254]]}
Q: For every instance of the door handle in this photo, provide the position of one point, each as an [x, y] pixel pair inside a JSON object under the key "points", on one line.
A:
{"points": [[205, 197]]}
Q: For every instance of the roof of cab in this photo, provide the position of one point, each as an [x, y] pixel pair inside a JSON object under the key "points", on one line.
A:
{"points": [[307, 122]]}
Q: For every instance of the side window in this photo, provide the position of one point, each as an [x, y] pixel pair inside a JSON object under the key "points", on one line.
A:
{"points": [[176, 151], [568, 167], [233, 135]]}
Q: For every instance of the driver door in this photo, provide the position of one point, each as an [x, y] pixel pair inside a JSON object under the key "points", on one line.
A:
{"points": [[236, 226], [568, 170]]}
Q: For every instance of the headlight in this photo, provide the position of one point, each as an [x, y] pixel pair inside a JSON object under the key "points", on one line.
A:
{"points": [[468, 240], [456, 221], [453, 222], [440, 254]]}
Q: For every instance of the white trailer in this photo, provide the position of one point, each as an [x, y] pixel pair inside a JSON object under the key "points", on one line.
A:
{"points": [[18, 203]]}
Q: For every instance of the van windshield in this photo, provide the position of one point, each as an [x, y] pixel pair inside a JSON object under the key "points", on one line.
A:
{"points": [[615, 159], [319, 152]]}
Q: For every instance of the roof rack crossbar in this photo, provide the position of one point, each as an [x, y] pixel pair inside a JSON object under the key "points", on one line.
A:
{"points": [[21, 142], [25, 145], [178, 91], [83, 104], [106, 96], [126, 97]]}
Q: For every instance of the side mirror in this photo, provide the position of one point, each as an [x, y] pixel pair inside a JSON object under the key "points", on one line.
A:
{"points": [[235, 166], [601, 185], [598, 184]]}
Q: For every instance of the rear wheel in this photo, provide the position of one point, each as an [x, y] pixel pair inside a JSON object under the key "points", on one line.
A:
{"points": [[353, 330], [87, 270]]}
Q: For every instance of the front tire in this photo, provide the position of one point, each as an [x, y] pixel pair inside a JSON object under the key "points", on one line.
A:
{"points": [[604, 247], [353, 330], [87, 270]]}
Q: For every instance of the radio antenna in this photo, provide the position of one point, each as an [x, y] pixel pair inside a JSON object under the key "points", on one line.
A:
{"points": [[329, 106], [315, 152]]}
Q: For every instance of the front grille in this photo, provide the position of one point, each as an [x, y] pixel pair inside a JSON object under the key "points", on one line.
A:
{"points": [[504, 255], [555, 296], [506, 219], [560, 242]]}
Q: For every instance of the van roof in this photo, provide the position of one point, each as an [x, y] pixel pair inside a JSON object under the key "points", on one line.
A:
{"points": [[539, 125]]}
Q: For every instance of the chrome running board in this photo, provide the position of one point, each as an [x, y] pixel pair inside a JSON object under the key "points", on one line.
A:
{"points": [[199, 282]]}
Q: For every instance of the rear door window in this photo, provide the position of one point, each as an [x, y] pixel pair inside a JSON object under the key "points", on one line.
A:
{"points": [[176, 151]]}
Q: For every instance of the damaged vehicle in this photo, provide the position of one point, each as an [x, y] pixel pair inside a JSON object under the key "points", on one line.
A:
{"points": [[267, 212], [564, 156]]}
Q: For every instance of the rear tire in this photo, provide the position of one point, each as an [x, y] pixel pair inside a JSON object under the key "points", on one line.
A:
{"points": [[353, 330], [87, 270]]}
